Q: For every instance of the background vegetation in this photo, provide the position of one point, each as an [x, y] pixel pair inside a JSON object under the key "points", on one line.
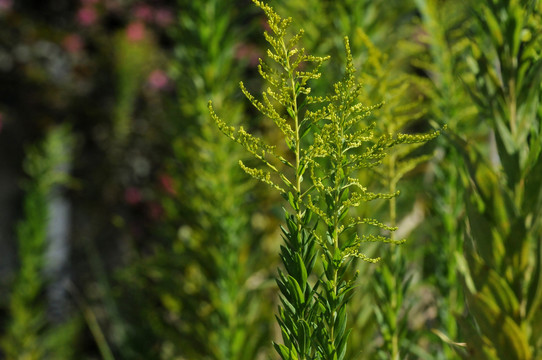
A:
{"points": [[128, 230]]}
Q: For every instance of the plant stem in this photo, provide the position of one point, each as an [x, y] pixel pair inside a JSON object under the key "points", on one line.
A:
{"points": [[395, 352], [298, 176]]}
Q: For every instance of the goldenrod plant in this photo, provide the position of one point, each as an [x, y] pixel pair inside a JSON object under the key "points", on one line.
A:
{"points": [[501, 266], [30, 333], [330, 141], [383, 80], [366, 23]]}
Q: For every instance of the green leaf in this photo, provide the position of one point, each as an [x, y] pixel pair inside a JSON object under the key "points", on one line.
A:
{"points": [[293, 203], [505, 335], [295, 289], [304, 129], [492, 24], [302, 271], [340, 325], [284, 352], [513, 29], [508, 153], [500, 292], [480, 231], [304, 336], [290, 112], [341, 348], [534, 294], [533, 190]]}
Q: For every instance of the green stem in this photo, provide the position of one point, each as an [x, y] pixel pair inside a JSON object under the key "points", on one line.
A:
{"points": [[298, 175], [339, 176], [92, 322], [395, 352], [335, 272]]}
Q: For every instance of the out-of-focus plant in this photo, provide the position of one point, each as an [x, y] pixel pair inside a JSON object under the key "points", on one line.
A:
{"points": [[325, 22], [442, 45], [235, 325], [208, 282], [231, 322], [134, 57], [30, 334], [385, 79], [330, 142], [501, 267]]}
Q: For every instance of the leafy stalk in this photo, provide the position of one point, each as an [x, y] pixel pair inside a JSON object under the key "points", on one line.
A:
{"points": [[445, 45], [208, 282], [329, 140], [30, 334], [297, 312], [501, 263], [386, 79]]}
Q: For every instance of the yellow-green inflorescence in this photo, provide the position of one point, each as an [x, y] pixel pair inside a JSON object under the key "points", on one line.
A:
{"points": [[330, 140]]}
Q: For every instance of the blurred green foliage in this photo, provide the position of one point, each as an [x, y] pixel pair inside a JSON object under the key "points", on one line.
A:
{"points": [[30, 332], [173, 249], [502, 248]]}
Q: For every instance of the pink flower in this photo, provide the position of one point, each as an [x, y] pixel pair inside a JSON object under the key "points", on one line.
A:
{"points": [[132, 196], [168, 184], [135, 31], [158, 80], [6, 5], [143, 12], [73, 43], [163, 17], [87, 16]]}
